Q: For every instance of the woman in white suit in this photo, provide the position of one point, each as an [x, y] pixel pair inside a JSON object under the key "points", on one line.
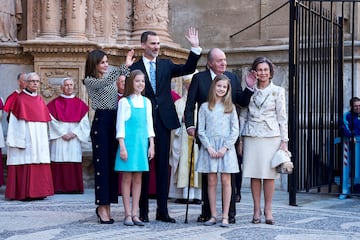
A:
{"points": [[263, 125]]}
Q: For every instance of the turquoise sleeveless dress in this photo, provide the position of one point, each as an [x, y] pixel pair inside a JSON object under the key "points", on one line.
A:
{"points": [[136, 142]]}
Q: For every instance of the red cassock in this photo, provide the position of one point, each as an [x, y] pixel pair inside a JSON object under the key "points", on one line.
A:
{"points": [[1, 158], [10, 101], [29, 173], [67, 173]]}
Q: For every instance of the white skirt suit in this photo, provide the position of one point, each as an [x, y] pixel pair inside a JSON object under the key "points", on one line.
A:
{"points": [[263, 125]]}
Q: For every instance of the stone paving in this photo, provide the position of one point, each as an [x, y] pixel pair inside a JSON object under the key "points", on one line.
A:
{"points": [[317, 216]]}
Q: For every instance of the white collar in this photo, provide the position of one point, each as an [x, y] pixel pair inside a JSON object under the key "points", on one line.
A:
{"points": [[147, 61], [66, 96]]}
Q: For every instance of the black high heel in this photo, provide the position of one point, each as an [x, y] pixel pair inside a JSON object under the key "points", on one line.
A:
{"points": [[97, 212], [111, 221], [105, 222], [269, 221]]}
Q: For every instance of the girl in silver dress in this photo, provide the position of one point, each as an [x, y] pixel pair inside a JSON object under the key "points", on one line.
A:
{"points": [[218, 130]]}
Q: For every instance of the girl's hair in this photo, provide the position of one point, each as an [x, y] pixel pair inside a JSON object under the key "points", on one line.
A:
{"points": [[129, 82], [93, 59], [259, 60], [228, 104]]}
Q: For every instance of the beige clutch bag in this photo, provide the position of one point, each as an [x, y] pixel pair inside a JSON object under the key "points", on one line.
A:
{"points": [[282, 162]]}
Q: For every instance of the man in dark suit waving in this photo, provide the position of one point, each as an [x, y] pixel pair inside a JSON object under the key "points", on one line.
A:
{"points": [[198, 93], [159, 73]]}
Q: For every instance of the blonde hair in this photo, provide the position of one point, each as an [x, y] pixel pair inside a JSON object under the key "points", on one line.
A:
{"points": [[226, 99]]}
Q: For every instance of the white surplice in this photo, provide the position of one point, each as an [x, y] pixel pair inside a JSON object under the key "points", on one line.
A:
{"points": [[27, 142], [68, 151]]}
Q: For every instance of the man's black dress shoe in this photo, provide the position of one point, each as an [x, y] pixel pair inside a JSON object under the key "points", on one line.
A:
{"points": [[232, 220], [144, 218], [165, 218]]}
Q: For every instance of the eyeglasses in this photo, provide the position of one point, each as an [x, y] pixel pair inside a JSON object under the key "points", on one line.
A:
{"points": [[34, 81]]}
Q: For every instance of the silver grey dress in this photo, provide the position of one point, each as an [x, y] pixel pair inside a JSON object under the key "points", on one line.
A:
{"points": [[217, 129]]}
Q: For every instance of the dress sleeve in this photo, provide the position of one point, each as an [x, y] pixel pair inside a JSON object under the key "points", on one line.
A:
{"points": [[110, 78], [234, 130], [281, 115], [243, 116], [123, 113]]}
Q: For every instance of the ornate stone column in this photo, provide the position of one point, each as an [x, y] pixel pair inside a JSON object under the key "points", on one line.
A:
{"points": [[90, 31], [75, 18], [122, 23], [50, 18], [151, 15]]}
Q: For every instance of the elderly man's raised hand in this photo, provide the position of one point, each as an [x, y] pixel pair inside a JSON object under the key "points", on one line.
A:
{"points": [[193, 37]]}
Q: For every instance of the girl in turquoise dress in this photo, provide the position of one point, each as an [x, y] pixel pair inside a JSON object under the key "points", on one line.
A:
{"points": [[135, 133]]}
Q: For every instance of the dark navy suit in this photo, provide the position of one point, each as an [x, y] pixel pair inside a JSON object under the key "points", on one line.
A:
{"points": [[165, 119]]}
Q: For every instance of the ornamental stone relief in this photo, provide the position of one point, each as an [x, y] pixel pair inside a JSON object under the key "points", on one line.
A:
{"points": [[98, 19], [116, 22], [153, 12], [51, 80]]}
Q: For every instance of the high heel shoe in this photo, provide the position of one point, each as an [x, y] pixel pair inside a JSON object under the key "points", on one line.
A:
{"points": [[105, 222], [256, 220], [269, 221], [97, 214], [111, 221]]}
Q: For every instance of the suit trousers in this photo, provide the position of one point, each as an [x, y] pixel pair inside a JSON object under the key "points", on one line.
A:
{"points": [[162, 149]]}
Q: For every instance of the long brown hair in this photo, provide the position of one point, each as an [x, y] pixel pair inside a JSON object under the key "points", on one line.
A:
{"points": [[129, 83], [93, 59], [226, 100]]}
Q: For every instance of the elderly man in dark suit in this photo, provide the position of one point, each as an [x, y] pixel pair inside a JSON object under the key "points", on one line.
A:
{"points": [[198, 93], [159, 73]]}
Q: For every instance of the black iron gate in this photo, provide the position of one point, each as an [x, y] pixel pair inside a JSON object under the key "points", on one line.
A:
{"points": [[315, 94]]}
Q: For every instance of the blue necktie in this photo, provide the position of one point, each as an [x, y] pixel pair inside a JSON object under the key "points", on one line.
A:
{"points": [[152, 76]]}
